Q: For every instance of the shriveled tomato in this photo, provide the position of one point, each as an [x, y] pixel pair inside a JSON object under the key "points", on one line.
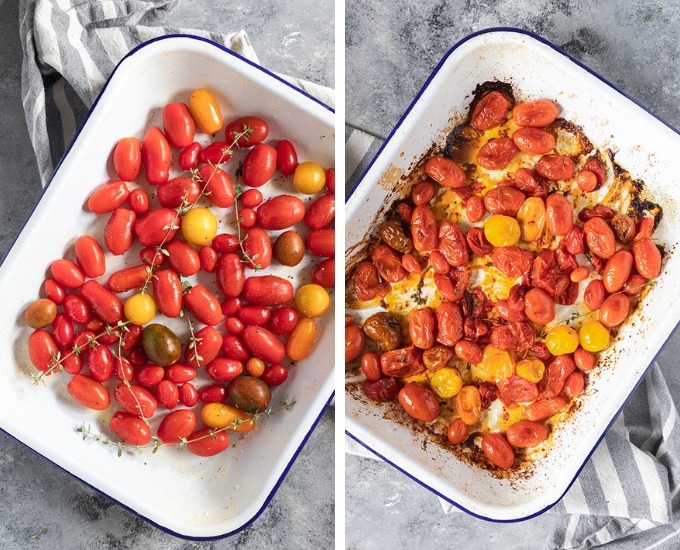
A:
{"points": [[449, 323], [512, 261], [469, 405], [526, 433], [497, 153], [536, 113], [490, 111], [599, 237], [445, 172], [424, 229], [504, 200], [545, 408], [647, 258], [555, 167], [539, 306], [533, 140]]}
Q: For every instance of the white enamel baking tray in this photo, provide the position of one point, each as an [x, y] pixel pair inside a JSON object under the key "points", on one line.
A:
{"points": [[644, 145], [184, 494]]}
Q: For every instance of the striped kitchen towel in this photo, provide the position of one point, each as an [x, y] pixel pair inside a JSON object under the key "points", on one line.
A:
{"points": [[70, 47], [626, 496]]}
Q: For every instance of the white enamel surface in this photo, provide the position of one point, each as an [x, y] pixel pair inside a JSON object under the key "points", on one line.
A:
{"points": [[189, 495], [645, 147]]}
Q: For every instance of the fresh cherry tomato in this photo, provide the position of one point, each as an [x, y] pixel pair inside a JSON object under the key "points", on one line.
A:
{"points": [[176, 426], [249, 394], [283, 320], [275, 375], [230, 275], [324, 273], [203, 305], [321, 242], [127, 158], [205, 111], [157, 226], [66, 273], [41, 313], [218, 184], [188, 158], [206, 442], [188, 395], [259, 165], [138, 201], [321, 212], [167, 290], [218, 152], [286, 157], [208, 342], [223, 369], [54, 291], [257, 248], [127, 278], [280, 212], [42, 350], [88, 392], [130, 428], [101, 363], [108, 196], [156, 155], [178, 191], [246, 131], [103, 302], [263, 344], [309, 178], [178, 125], [220, 416], [267, 290], [251, 198], [135, 400]]}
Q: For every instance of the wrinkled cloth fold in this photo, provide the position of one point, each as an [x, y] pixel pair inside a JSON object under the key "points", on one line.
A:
{"points": [[626, 496], [70, 47]]}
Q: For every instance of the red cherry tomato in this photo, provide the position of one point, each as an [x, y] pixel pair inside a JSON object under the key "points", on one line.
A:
{"points": [[445, 172], [89, 393], [177, 426], [149, 375], [178, 191], [77, 309], [251, 198], [203, 305], [218, 183], [321, 242], [101, 363], [536, 113], [108, 196], [330, 180], [138, 201], [223, 369], [205, 442], [267, 290], [419, 402], [127, 278], [118, 233], [183, 258], [42, 349], [258, 248], [230, 275], [157, 226], [264, 344], [135, 400], [323, 273], [103, 302], [130, 428], [275, 375], [283, 320], [497, 449], [208, 343], [280, 212], [54, 291], [286, 157], [250, 130], [127, 158], [188, 158], [156, 155], [167, 291], [167, 394], [66, 273], [214, 393], [188, 395], [208, 257], [253, 315], [62, 330], [321, 212], [259, 165], [178, 125]]}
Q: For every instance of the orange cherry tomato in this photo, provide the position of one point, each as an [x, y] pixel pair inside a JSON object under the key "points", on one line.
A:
{"points": [[614, 310], [469, 405], [497, 449], [445, 172], [533, 141], [419, 402], [526, 433], [490, 111], [647, 258], [536, 113]]}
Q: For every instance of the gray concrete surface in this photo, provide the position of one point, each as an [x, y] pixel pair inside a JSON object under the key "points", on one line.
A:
{"points": [[43, 507], [390, 51]]}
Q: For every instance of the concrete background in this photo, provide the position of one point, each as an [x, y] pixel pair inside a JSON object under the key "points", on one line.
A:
{"points": [[43, 507], [390, 51]]}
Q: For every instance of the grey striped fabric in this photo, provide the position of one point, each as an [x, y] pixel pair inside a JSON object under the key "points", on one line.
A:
{"points": [[627, 496], [70, 47]]}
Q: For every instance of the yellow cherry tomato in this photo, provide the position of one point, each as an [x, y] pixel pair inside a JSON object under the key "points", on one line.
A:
{"points": [[502, 230], [496, 364], [531, 369], [255, 367], [205, 111], [312, 300], [301, 339], [309, 178], [220, 416], [531, 218], [199, 226], [446, 382], [593, 336], [140, 309], [561, 339]]}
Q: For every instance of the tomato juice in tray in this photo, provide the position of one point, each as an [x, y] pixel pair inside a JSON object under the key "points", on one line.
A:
{"points": [[487, 293]]}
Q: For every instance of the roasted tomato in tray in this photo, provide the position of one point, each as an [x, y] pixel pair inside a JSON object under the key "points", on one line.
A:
{"points": [[501, 278]]}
